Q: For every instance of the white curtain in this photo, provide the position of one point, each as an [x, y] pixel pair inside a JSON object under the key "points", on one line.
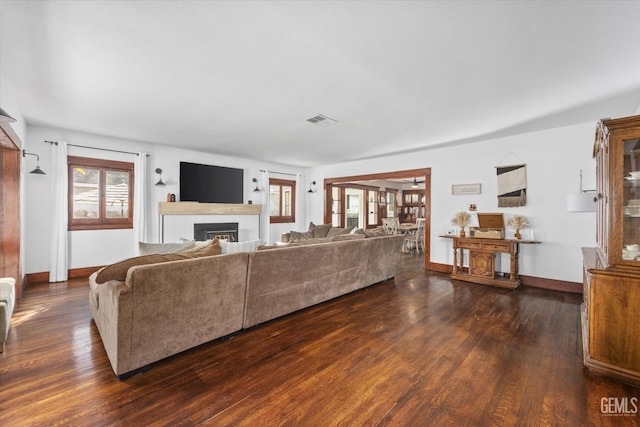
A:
{"points": [[265, 222], [58, 261], [300, 203], [140, 200]]}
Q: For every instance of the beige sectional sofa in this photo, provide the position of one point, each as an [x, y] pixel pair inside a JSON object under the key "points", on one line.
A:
{"points": [[285, 280], [162, 309]]}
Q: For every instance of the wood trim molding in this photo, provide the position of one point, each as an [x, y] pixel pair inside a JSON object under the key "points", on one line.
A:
{"points": [[442, 268], [74, 273], [552, 284], [534, 282], [35, 278], [10, 259], [413, 173]]}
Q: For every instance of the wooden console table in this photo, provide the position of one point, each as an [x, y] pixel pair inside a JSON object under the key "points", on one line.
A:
{"points": [[482, 256]]}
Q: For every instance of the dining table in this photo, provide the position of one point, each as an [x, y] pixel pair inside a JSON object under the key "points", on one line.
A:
{"points": [[407, 227]]}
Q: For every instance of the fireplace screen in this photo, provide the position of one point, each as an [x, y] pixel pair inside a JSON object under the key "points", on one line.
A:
{"points": [[219, 230]]}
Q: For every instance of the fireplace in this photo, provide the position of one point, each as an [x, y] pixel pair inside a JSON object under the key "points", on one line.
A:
{"points": [[217, 230]]}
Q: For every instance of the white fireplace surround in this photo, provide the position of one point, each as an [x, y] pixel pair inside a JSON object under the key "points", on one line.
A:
{"points": [[177, 219]]}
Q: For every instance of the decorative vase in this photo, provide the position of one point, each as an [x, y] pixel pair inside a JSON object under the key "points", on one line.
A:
{"points": [[517, 235], [462, 233]]}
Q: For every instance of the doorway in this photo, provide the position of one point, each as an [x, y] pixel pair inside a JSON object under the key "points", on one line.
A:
{"points": [[336, 203]]}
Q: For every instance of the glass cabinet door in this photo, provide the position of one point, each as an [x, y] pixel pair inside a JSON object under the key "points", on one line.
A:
{"points": [[372, 208], [631, 200]]}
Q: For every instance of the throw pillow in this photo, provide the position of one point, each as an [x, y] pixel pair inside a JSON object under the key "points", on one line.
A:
{"points": [[300, 235], [118, 270], [233, 247], [334, 231], [209, 248], [319, 230], [164, 248]]}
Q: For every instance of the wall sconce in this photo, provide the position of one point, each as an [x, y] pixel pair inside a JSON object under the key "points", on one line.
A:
{"points": [[37, 170], [581, 201], [160, 183], [257, 189], [312, 187]]}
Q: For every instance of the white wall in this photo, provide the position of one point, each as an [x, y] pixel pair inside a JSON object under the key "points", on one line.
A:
{"points": [[94, 248], [554, 159]]}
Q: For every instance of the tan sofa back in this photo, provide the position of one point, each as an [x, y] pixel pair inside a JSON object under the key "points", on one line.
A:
{"points": [[163, 309], [281, 281]]}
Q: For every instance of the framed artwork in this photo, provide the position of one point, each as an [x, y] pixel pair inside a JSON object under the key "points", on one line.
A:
{"points": [[463, 189]]}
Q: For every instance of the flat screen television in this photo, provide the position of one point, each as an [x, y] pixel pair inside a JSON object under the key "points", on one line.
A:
{"points": [[210, 184]]}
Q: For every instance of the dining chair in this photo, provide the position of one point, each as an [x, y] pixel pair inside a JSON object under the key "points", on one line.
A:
{"points": [[390, 225], [415, 240]]}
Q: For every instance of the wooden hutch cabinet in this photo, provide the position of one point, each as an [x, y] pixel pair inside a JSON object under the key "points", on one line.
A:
{"points": [[611, 309], [412, 205]]}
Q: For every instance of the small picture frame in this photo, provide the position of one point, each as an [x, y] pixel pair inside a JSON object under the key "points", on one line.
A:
{"points": [[465, 189]]}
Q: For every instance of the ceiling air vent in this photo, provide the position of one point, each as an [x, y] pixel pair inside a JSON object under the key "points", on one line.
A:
{"points": [[322, 120]]}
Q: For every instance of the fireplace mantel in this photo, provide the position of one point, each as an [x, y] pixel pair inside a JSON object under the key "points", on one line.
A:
{"points": [[195, 208], [177, 219]]}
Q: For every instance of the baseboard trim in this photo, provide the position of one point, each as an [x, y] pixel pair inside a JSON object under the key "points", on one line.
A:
{"points": [[74, 273], [552, 284], [535, 282], [442, 268], [35, 278]]}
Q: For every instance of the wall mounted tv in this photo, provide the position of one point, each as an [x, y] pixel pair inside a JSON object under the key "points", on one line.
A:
{"points": [[210, 184]]}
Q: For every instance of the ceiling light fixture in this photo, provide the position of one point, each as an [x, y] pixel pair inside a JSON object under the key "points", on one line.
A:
{"points": [[415, 183], [37, 170]]}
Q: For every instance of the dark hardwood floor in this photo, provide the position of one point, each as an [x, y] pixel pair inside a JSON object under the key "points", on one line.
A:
{"points": [[420, 350]]}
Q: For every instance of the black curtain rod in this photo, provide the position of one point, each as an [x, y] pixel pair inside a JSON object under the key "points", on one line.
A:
{"points": [[281, 173], [96, 148]]}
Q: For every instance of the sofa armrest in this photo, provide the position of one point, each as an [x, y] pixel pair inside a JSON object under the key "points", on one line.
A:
{"points": [[7, 302], [182, 304]]}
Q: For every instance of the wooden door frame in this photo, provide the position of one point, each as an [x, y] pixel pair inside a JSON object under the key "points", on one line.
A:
{"points": [[10, 227], [381, 176]]}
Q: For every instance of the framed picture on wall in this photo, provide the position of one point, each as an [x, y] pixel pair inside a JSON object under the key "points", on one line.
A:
{"points": [[463, 189]]}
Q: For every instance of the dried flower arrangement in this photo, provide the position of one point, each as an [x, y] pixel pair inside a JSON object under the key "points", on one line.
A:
{"points": [[461, 219], [517, 222]]}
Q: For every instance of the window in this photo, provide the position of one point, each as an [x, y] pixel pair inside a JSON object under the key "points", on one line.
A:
{"points": [[282, 200], [100, 194]]}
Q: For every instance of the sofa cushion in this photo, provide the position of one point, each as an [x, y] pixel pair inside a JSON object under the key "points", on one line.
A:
{"points": [[278, 246], [319, 230], [164, 248], [374, 232], [300, 235], [233, 247], [342, 237], [118, 270], [314, 241], [334, 231]]}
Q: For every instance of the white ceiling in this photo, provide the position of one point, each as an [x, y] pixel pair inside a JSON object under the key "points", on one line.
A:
{"points": [[241, 77]]}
